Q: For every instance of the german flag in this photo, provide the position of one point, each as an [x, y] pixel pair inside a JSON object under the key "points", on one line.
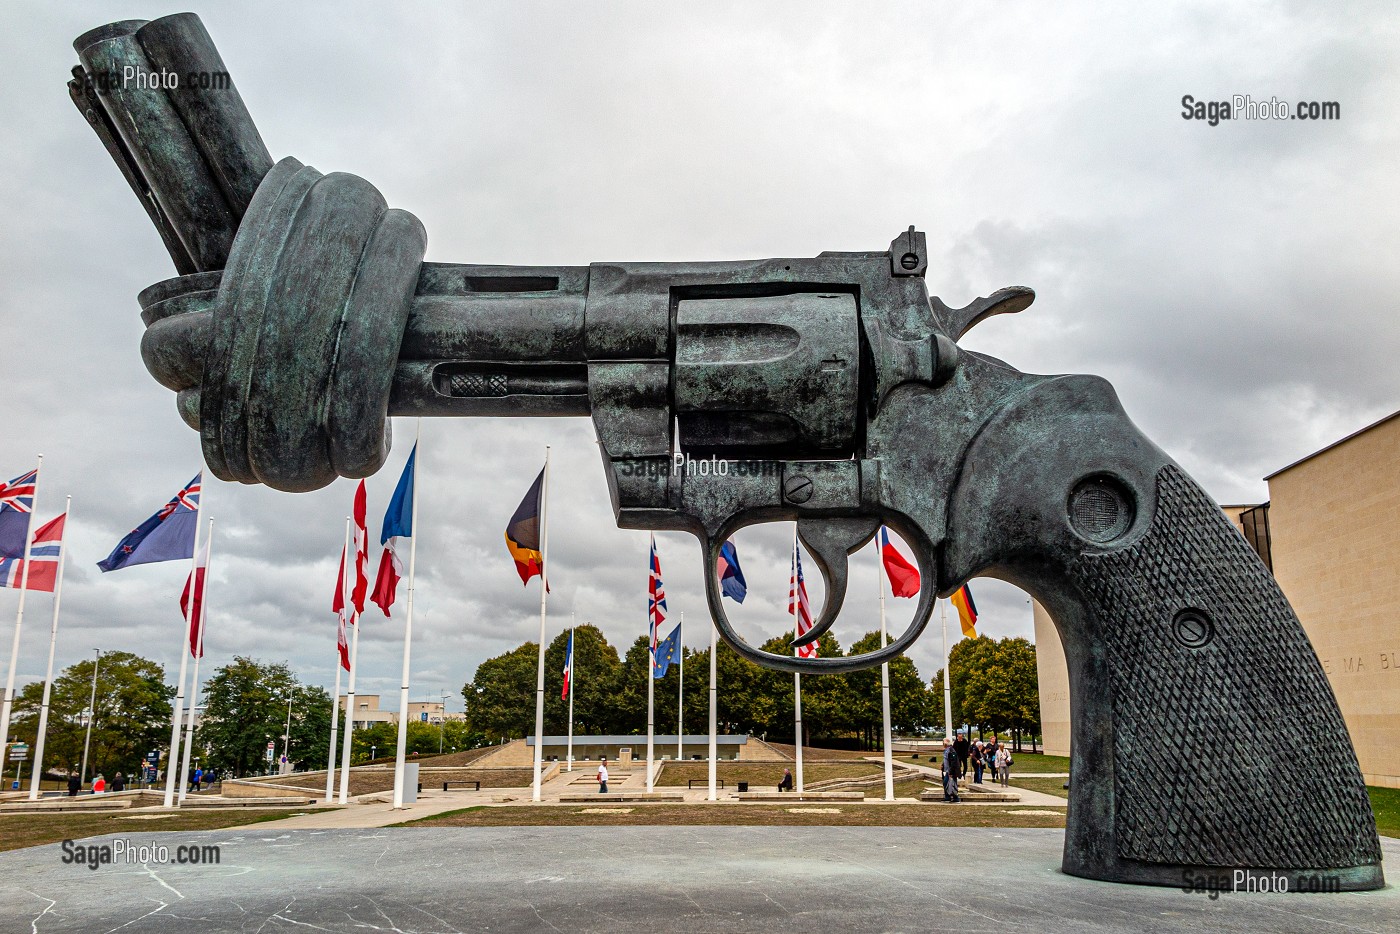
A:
{"points": [[967, 611], [523, 533]]}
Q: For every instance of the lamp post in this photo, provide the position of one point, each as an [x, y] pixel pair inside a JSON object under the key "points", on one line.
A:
{"points": [[372, 748], [91, 716], [287, 737], [442, 721]]}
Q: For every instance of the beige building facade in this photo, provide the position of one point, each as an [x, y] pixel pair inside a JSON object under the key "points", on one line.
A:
{"points": [[1330, 532], [368, 712]]}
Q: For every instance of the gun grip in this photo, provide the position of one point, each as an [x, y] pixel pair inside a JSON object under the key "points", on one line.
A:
{"points": [[1205, 736]]}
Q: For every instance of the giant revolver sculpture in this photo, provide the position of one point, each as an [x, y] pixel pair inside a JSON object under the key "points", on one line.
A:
{"points": [[827, 390]]}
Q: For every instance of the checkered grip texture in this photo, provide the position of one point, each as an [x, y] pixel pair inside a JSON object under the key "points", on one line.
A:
{"points": [[1234, 753]]}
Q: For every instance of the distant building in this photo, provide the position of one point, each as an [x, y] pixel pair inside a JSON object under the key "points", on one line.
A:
{"points": [[1330, 533], [367, 711]]}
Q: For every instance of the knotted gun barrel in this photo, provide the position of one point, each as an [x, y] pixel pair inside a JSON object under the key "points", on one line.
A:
{"points": [[828, 390]]}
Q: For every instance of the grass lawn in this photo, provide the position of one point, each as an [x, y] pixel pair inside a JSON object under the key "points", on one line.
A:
{"points": [[368, 781], [1049, 786], [1385, 802], [765, 774], [808, 814], [20, 830]]}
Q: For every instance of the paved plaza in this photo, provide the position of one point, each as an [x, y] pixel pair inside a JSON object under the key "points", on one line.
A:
{"points": [[644, 879]]}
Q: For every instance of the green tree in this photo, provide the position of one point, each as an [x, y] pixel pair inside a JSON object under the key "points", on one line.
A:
{"points": [[500, 697], [909, 699], [131, 716], [994, 685], [246, 704], [381, 739], [595, 668]]}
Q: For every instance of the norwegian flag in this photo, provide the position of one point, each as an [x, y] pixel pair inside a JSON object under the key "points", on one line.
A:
{"points": [[43, 559], [798, 604], [656, 608], [16, 503]]}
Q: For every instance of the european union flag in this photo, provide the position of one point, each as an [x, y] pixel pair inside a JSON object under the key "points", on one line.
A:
{"points": [[667, 652]]}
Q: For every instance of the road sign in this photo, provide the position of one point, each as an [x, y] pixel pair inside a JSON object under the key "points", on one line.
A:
{"points": [[19, 752], [153, 756]]}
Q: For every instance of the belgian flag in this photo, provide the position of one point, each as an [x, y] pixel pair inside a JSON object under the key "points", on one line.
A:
{"points": [[523, 533]]}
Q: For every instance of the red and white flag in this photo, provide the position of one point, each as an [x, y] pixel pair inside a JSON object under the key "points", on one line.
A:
{"points": [[195, 613], [43, 560], [798, 604], [361, 588]]}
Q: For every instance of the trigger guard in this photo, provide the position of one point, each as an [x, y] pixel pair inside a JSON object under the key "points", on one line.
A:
{"points": [[711, 545], [832, 551]]}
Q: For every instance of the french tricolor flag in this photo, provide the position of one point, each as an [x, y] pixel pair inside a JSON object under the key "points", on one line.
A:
{"points": [[568, 665]]}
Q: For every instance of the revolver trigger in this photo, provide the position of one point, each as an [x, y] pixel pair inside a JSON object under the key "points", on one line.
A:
{"points": [[830, 542]]}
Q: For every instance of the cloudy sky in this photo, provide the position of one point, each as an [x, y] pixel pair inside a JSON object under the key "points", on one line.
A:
{"points": [[1236, 283]]}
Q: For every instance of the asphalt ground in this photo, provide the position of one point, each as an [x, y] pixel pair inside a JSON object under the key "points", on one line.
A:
{"points": [[643, 879]]}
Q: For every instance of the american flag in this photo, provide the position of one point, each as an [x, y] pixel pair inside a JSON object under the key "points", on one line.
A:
{"points": [[798, 604], [656, 607], [18, 494]]}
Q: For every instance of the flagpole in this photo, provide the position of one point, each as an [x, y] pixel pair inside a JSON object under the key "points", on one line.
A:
{"points": [[38, 769], [202, 591], [349, 708], [544, 596], [651, 697], [172, 757], [9, 702], [947, 689], [345, 610], [573, 679], [714, 697], [884, 674], [680, 693], [794, 600], [407, 630]]}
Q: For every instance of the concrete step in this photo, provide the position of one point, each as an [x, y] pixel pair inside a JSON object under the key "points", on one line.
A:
{"points": [[613, 797], [200, 801], [936, 796], [804, 796]]}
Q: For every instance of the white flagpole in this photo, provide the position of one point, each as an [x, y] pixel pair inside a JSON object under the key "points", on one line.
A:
{"points": [[884, 673], [9, 702], [652, 636], [947, 689], [714, 719], [408, 627], [349, 707], [569, 758], [38, 769], [793, 599], [345, 611], [199, 643], [172, 758], [544, 596], [680, 693]]}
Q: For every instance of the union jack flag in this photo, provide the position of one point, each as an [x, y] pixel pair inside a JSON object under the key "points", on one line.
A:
{"points": [[656, 607], [798, 604], [18, 494], [16, 505]]}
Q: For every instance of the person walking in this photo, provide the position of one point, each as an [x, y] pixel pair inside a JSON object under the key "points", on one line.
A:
{"points": [[195, 779], [977, 763], [75, 784], [119, 782], [1003, 763], [950, 772], [961, 747], [99, 785], [602, 775]]}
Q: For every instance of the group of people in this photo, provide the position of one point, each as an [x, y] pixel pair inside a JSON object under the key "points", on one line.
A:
{"points": [[100, 785], [992, 755]]}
